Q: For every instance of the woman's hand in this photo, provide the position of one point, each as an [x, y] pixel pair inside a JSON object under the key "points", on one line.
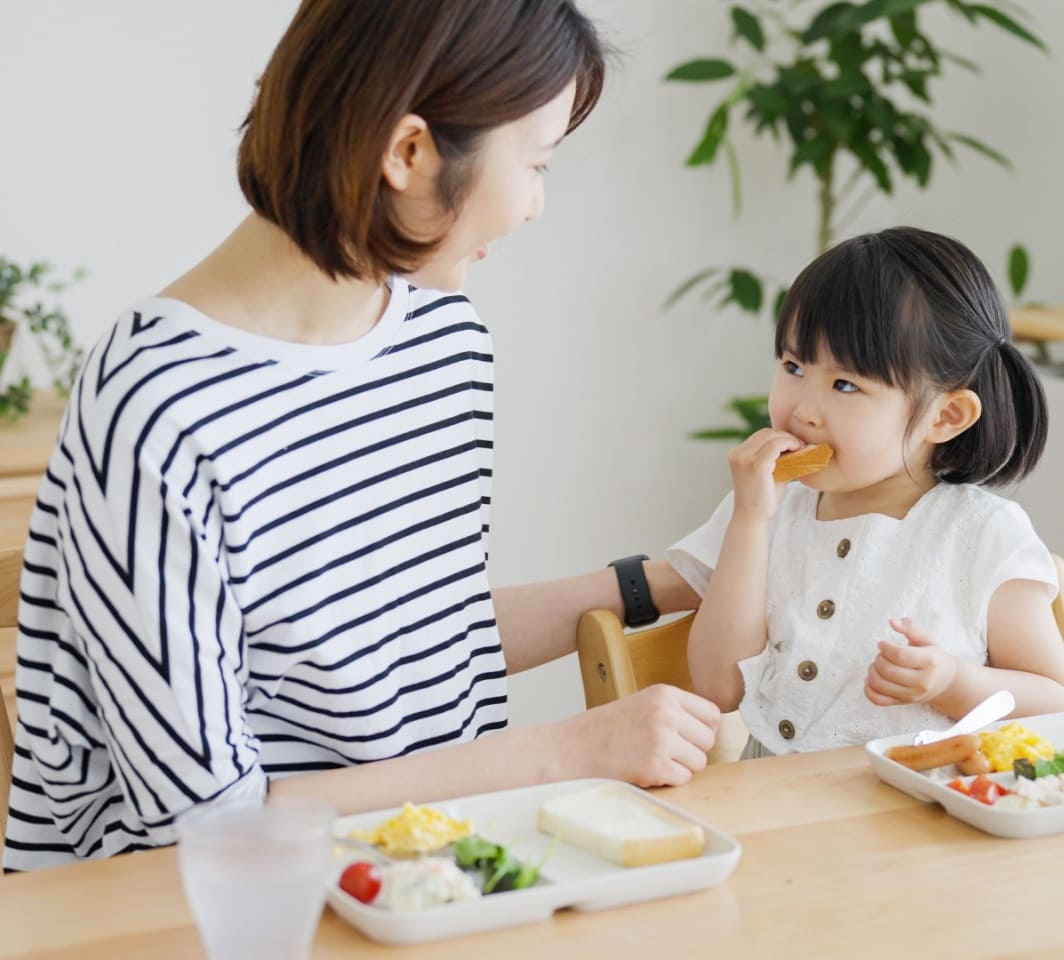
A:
{"points": [[918, 673], [657, 737], [752, 463]]}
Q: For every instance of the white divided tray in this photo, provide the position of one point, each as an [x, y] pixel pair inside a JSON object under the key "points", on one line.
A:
{"points": [[571, 878], [930, 785]]}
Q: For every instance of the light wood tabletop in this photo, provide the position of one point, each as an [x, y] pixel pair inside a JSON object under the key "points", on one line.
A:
{"points": [[834, 864]]}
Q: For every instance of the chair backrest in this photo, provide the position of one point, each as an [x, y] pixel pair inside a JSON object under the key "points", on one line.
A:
{"points": [[614, 664], [10, 573]]}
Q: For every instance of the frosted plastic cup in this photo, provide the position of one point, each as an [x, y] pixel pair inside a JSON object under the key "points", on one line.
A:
{"points": [[255, 877]]}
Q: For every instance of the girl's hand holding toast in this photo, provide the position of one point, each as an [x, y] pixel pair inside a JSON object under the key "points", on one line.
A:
{"points": [[917, 673], [752, 462]]}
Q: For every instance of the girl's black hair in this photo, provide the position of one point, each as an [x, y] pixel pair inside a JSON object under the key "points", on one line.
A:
{"points": [[919, 311]]}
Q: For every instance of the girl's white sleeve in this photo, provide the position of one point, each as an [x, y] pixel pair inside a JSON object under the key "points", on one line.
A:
{"points": [[1009, 549], [695, 556]]}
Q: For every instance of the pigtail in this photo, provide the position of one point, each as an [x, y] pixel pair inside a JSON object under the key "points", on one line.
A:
{"points": [[1008, 440]]}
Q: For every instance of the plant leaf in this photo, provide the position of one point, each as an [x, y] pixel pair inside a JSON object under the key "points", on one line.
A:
{"points": [[748, 27], [720, 433], [903, 26], [825, 21], [706, 150], [746, 290], [982, 148], [701, 70], [1019, 269], [963, 62], [870, 160], [1006, 22], [753, 410], [736, 177], [688, 284]]}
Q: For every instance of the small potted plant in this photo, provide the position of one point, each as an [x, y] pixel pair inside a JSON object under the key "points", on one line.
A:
{"points": [[29, 306]]}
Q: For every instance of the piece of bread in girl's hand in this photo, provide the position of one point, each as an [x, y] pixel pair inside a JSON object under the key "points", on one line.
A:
{"points": [[801, 463], [618, 824]]}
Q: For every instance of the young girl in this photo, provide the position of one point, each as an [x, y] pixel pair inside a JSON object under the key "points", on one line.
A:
{"points": [[258, 560], [890, 592]]}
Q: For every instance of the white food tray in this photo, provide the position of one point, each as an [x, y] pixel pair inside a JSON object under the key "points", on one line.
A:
{"points": [[930, 785], [571, 878]]}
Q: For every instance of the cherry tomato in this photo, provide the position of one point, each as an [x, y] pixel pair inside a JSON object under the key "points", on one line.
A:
{"points": [[985, 790], [960, 786], [362, 880]]}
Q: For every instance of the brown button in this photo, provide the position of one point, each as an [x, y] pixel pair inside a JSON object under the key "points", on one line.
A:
{"points": [[786, 729], [825, 609], [843, 548], [807, 670]]}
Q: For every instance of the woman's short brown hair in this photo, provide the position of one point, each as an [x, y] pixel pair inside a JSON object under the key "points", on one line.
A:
{"points": [[344, 74]]}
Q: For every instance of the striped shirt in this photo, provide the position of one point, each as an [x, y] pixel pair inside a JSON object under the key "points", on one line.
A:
{"points": [[249, 559]]}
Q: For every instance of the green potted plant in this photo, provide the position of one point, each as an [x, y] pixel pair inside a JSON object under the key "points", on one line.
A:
{"points": [[847, 87], [29, 305]]}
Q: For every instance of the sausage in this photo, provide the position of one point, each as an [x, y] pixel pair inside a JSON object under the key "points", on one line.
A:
{"points": [[939, 754], [978, 762], [800, 463]]}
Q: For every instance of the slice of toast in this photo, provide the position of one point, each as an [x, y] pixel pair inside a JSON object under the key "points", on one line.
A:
{"points": [[620, 824], [801, 463]]}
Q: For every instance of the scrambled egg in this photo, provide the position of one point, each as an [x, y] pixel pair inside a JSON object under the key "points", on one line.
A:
{"points": [[415, 830], [1013, 742]]}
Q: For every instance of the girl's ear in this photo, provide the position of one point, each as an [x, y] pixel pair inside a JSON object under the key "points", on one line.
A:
{"points": [[410, 154], [953, 413]]}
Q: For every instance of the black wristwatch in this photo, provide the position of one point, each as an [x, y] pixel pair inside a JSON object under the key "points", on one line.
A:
{"points": [[639, 609]]}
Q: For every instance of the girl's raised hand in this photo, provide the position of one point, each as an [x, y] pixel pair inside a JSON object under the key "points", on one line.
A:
{"points": [[918, 673], [752, 463]]}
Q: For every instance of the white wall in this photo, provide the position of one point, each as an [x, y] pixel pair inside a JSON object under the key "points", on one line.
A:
{"points": [[117, 153]]}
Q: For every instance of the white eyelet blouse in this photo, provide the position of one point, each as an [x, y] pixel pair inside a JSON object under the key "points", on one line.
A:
{"points": [[833, 586]]}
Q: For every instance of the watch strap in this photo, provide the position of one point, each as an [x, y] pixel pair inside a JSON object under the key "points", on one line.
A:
{"points": [[639, 609]]}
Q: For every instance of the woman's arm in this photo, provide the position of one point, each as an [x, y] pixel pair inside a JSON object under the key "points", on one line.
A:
{"points": [[658, 736], [537, 621]]}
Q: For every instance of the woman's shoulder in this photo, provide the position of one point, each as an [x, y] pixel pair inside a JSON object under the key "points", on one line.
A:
{"points": [[440, 307]]}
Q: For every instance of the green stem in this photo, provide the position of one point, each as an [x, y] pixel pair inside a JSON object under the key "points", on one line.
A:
{"points": [[827, 206]]}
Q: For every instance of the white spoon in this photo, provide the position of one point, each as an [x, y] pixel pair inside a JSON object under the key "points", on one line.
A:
{"points": [[994, 707]]}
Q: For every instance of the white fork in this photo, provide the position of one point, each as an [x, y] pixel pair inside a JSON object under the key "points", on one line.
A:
{"points": [[994, 707]]}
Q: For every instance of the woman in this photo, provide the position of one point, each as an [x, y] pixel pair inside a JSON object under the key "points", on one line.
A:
{"points": [[258, 563]]}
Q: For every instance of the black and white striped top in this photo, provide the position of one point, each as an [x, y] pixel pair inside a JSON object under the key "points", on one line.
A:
{"points": [[252, 558]]}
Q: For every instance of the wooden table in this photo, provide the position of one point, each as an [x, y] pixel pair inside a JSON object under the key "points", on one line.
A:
{"points": [[835, 864]]}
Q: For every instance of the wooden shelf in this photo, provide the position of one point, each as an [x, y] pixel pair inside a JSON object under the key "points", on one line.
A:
{"points": [[1038, 323], [25, 448]]}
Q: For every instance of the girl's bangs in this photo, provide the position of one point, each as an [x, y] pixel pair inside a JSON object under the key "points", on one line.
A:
{"points": [[856, 309]]}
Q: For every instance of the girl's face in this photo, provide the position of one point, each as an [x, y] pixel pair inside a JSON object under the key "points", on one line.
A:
{"points": [[864, 421], [507, 191]]}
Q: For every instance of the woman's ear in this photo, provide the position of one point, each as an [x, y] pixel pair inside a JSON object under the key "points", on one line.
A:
{"points": [[410, 155], [953, 413]]}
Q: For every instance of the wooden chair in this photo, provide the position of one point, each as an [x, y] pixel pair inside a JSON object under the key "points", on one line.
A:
{"points": [[614, 664], [10, 573]]}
